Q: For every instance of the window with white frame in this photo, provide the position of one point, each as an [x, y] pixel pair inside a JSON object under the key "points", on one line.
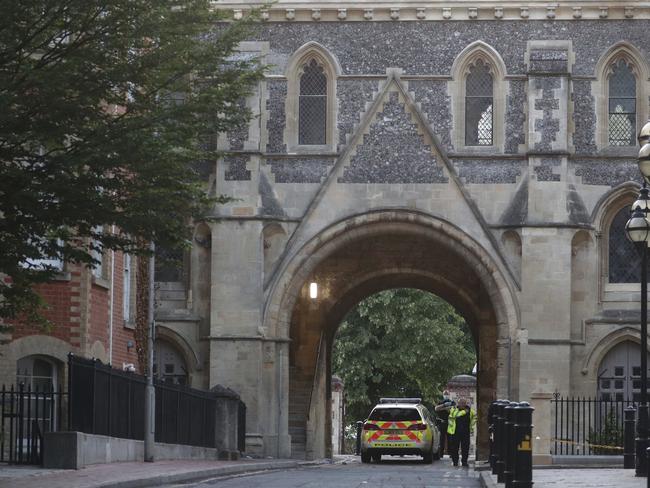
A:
{"points": [[97, 253], [126, 288], [621, 105], [52, 262], [37, 373]]}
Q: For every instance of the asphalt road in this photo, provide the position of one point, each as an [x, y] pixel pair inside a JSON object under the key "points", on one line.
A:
{"points": [[390, 473]]}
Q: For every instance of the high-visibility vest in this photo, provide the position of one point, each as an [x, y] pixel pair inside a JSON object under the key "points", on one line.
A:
{"points": [[456, 412]]}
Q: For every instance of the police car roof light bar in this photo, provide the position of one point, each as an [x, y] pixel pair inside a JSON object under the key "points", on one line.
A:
{"points": [[400, 400]]}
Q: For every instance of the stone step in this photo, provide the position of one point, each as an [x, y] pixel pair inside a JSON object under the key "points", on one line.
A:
{"points": [[171, 295], [170, 305], [299, 399], [170, 286], [298, 451]]}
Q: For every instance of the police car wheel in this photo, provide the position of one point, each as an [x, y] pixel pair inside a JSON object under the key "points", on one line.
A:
{"points": [[427, 457], [365, 457]]}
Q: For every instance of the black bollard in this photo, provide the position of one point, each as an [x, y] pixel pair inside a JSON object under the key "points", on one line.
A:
{"points": [[511, 444], [523, 430], [359, 429], [501, 443], [491, 425], [628, 438]]}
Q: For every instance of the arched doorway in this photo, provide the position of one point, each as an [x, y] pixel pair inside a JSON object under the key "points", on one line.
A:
{"points": [[360, 257], [619, 373], [169, 365]]}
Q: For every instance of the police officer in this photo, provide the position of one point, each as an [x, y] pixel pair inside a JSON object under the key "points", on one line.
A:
{"points": [[460, 426], [442, 411]]}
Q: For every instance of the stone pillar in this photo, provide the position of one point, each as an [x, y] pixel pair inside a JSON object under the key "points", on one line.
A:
{"points": [[238, 351], [544, 341], [542, 421], [226, 428]]}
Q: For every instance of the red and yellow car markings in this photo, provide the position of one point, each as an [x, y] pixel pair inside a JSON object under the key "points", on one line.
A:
{"points": [[395, 431]]}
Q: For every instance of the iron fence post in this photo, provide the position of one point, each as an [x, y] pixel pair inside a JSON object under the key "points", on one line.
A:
{"points": [[21, 415], [628, 438], [523, 430], [359, 429], [647, 454]]}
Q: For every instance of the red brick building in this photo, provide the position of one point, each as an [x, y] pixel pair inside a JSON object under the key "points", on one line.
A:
{"points": [[92, 312]]}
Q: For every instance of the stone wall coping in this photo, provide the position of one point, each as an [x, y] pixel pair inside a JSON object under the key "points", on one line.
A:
{"points": [[541, 395], [396, 10]]}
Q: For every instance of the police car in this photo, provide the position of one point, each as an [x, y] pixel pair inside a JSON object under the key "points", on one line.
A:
{"points": [[399, 426]]}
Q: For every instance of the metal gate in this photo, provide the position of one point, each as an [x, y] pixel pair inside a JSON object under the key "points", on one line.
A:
{"points": [[25, 415], [588, 426]]}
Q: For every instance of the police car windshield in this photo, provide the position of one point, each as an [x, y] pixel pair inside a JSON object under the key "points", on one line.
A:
{"points": [[394, 414]]}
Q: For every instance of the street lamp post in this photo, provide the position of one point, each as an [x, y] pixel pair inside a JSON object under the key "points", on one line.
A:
{"points": [[638, 231]]}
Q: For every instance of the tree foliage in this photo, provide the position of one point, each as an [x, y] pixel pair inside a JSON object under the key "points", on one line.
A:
{"points": [[401, 342], [106, 107]]}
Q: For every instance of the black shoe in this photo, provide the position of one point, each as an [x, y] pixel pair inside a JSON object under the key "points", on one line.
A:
{"points": [[465, 465], [455, 464]]}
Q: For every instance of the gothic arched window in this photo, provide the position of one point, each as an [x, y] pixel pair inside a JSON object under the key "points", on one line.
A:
{"points": [[312, 107], [622, 105], [623, 258], [479, 100]]}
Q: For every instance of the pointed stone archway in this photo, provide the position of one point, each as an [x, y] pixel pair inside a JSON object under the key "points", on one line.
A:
{"points": [[358, 257]]}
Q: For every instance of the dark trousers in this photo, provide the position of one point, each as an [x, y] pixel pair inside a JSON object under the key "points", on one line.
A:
{"points": [[459, 439], [443, 439]]}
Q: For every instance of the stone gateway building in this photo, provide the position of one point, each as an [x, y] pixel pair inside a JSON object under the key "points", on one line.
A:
{"points": [[483, 151]]}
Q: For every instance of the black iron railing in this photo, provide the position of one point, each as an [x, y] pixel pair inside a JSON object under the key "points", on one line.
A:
{"points": [[588, 426], [185, 415], [25, 415], [110, 402]]}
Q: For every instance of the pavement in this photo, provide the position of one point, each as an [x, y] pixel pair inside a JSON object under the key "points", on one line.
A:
{"points": [[575, 478], [137, 475]]}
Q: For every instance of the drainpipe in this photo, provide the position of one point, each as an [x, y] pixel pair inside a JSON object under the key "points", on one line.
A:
{"points": [[280, 390], [509, 368], [110, 305]]}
